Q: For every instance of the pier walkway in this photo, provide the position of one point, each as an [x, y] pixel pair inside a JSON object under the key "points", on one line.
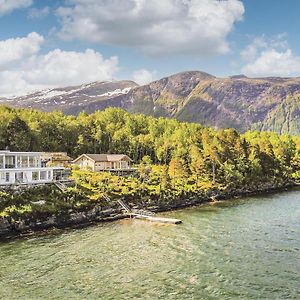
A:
{"points": [[146, 215]]}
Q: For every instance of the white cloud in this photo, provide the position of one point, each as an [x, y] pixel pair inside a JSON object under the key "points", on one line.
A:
{"points": [[36, 13], [14, 50], [274, 63], [143, 76], [7, 6], [53, 69], [198, 27], [68, 68], [270, 57], [251, 51]]}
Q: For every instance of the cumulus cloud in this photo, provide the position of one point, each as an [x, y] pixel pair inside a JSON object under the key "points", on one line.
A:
{"points": [[143, 76], [251, 51], [270, 57], [53, 69], [7, 6], [198, 27], [68, 68], [14, 50], [36, 13]]}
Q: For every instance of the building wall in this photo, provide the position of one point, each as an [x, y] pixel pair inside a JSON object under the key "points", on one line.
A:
{"points": [[85, 163], [26, 176], [26, 168], [11, 161], [99, 166]]}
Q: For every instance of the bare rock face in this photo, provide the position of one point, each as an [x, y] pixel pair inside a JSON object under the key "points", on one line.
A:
{"points": [[238, 101]]}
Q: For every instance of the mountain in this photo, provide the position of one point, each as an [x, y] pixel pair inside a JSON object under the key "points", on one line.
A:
{"points": [[237, 101], [74, 99]]}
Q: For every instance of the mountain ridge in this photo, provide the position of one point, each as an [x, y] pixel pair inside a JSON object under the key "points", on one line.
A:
{"points": [[266, 103]]}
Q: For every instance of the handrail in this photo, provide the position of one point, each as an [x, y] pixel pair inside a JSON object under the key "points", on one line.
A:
{"points": [[124, 206], [62, 187]]}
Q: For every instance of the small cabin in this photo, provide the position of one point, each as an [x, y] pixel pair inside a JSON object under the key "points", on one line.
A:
{"points": [[104, 162]]}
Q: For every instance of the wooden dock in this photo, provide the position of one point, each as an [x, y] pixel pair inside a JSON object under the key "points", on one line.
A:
{"points": [[156, 219], [147, 217]]}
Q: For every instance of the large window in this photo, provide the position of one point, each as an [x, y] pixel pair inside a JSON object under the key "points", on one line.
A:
{"points": [[36, 161], [19, 176], [19, 162], [43, 175], [1, 161], [2, 176], [10, 162], [35, 176], [24, 161], [33, 162]]}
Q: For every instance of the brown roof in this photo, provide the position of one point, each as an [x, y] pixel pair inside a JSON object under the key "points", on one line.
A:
{"points": [[56, 156], [106, 157]]}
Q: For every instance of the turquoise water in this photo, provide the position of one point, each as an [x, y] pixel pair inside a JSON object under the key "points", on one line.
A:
{"points": [[239, 249]]}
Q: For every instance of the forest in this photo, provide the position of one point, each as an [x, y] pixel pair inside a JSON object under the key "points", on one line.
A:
{"points": [[175, 161], [222, 156]]}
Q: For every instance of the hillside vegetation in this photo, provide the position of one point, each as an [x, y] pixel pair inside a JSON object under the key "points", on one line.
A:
{"points": [[225, 156], [178, 164]]}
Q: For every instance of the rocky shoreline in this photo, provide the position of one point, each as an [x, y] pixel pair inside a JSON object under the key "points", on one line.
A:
{"points": [[10, 227]]}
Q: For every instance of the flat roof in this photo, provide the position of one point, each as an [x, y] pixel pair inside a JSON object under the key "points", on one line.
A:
{"points": [[3, 152]]}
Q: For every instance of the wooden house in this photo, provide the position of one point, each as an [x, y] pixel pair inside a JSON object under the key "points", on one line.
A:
{"points": [[104, 162]]}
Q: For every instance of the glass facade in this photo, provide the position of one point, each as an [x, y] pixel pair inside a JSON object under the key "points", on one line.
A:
{"points": [[10, 161], [26, 168], [19, 177], [43, 175], [35, 176]]}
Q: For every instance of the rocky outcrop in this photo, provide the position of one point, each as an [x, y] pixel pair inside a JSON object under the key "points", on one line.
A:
{"points": [[9, 226], [71, 218]]}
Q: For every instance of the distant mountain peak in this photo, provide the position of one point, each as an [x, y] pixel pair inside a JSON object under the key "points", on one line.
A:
{"points": [[238, 101], [71, 99], [239, 76]]}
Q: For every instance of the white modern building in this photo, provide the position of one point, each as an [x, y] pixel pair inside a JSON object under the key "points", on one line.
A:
{"points": [[18, 168]]}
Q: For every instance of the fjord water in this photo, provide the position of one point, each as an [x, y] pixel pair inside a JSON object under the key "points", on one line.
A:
{"points": [[238, 249]]}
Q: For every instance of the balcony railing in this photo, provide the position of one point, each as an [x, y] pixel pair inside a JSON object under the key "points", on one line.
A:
{"points": [[8, 166]]}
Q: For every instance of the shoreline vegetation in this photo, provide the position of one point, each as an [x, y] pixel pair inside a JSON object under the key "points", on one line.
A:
{"points": [[178, 165], [71, 209]]}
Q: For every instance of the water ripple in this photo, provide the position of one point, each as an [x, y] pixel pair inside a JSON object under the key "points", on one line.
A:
{"points": [[240, 249]]}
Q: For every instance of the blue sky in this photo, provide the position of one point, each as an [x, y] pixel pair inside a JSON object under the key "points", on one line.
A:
{"points": [[47, 43]]}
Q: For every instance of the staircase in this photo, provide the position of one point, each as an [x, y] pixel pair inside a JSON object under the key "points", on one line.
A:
{"points": [[142, 214], [122, 204], [125, 206], [62, 187]]}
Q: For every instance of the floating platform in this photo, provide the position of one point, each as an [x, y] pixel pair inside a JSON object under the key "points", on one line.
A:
{"points": [[157, 219]]}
